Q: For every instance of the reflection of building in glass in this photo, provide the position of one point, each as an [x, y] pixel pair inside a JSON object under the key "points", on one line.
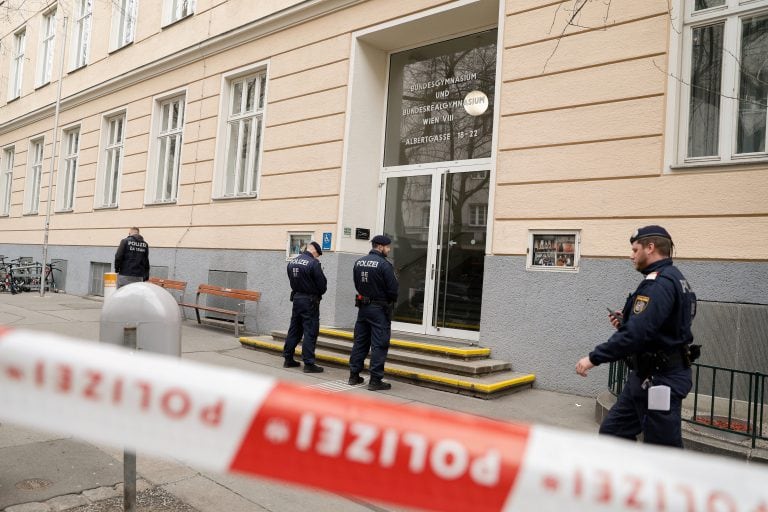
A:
{"points": [[427, 121]]}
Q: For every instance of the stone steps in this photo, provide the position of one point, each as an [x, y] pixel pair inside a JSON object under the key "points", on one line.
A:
{"points": [[447, 366]]}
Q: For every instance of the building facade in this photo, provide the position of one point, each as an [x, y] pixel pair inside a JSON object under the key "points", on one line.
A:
{"points": [[509, 148]]}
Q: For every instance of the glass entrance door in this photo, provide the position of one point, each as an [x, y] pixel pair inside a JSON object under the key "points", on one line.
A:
{"points": [[437, 223], [460, 252]]}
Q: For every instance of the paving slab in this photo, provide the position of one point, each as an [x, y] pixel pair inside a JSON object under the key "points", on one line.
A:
{"points": [[44, 470], [12, 435]]}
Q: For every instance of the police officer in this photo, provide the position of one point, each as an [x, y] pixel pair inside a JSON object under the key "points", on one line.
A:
{"points": [[308, 284], [653, 336], [376, 286], [132, 259]]}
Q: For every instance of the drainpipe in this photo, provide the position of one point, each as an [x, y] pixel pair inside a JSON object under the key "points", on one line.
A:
{"points": [[53, 160]]}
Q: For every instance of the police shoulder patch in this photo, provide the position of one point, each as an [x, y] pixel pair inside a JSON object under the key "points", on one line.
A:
{"points": [[652, 275], [641, 302]]}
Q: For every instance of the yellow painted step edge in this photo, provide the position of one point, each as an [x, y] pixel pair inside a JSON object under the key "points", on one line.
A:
{"points": [[418, 345], [458, 383]]}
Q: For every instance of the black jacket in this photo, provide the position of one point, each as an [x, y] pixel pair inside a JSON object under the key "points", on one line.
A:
{"points": [[306, 275], [375, 278], [658, 316], [132, 257]]}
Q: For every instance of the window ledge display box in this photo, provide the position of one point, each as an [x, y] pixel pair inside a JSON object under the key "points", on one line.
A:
{"points": [[553, 250]]}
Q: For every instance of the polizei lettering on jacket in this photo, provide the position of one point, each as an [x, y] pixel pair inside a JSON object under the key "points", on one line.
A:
{"points": [[367, 263], [137, 246]]}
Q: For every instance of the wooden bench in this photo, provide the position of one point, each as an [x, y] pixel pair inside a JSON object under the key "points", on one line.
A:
{"points": [[219, 291], [170, 284]]}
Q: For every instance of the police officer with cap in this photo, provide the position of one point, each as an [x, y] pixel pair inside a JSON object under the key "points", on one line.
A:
{"points": [[377, 288], [654, 338], [308, 284]]}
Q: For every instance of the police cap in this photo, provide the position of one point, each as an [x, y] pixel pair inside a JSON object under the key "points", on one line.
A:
{"points": [[647, 231], [381, 240], [317, 248]]}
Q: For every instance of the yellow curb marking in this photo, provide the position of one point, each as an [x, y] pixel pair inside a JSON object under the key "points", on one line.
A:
{"points": [[485, 388]]}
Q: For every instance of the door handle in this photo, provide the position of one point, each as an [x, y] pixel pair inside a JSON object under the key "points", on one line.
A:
{"points": [[433, 271]]}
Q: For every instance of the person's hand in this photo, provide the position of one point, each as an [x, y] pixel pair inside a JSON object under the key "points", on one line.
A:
{"points": [[615, 318], [583, 366]]}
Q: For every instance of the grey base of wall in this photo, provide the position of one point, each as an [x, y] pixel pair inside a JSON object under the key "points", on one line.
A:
{"points": [[716, 443], [542, 322]]}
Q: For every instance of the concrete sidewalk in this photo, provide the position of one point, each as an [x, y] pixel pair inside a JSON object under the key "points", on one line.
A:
{"points": [[45, 471]]}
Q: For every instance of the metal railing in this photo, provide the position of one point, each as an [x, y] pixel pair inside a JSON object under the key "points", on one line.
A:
{"points": [[724, 399]]}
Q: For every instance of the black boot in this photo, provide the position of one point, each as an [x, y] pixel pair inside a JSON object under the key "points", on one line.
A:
{"points": [[377, 385], [355, 379], [313, 368], [290, 363]]}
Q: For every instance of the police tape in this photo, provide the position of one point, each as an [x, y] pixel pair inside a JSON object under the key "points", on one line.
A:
{"points": [[232, 421]]}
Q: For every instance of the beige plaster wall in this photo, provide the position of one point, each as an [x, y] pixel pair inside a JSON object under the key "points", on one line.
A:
{"points": [[302, 146], [581, 139]]}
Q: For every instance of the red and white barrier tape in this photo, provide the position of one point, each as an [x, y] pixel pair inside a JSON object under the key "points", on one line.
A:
{"points": [[232, 421]]}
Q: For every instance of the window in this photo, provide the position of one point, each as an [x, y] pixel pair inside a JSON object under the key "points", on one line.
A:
{"points": [[107, 187], [6, 181], [478, 214], [244, 98], [174, 10], [65, 188], [297, 242], [165, 156], [724, 99], [34, 171], [553, 250], [82, 33], [123, 23], [17, 64], [45, 57]]}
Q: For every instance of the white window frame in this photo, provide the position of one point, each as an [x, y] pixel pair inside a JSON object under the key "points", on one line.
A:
{"points": [[6, 180], [67, 179], [112, 153], [252, 176], [159, 166], [81, 33], [47, 45], [35, 158], [175, 10], [530, 265], [124, 15], [296, 241], [731, 14], [473, 209], [16, 72]]}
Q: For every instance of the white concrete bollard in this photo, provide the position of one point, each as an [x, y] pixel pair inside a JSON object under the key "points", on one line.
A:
{"points": [[110, 284]]}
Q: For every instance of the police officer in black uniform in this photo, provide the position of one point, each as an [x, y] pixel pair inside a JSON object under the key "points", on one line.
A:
{"points": [[308, 284], [377, 287], [654, 338], [132, 259]]}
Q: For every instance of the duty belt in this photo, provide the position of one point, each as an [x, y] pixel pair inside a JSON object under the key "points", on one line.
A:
{"points": [[648, 363], [370, 301], [300, 295]]}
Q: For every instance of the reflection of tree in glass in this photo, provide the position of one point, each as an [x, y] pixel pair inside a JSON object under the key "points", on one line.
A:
{"points": [[468, 136]]}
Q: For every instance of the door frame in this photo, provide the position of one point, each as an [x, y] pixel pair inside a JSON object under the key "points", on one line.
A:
{"points": [[436, 171]]}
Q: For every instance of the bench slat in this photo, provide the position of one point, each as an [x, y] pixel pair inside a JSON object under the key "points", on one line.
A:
{"points": [[232, 293], [169, 283]]}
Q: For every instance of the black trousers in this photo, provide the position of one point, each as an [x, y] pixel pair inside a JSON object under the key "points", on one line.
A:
{"points": [[630, 415], [372, 332], [305, 321]]}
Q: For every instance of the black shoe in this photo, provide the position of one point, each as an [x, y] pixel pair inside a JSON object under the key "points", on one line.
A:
{"points": [[313, 368], [355, 379], [377, 385], [290, 363]]}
